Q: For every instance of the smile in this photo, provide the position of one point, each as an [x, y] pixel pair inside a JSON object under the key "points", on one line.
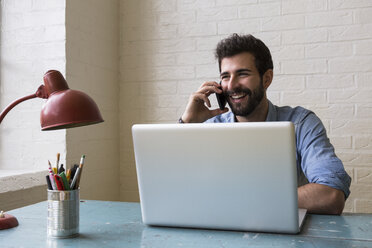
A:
{"points": [[238, 96]]}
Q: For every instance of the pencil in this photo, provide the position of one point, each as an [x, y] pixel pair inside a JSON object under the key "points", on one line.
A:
{"points": [[80, 171], [74, 180], [68, 175], [57, 163]]}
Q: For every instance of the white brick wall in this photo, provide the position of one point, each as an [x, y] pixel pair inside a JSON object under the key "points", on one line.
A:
{"points": [[81, 39], [322, 57], [32, 42], [321, 51]]}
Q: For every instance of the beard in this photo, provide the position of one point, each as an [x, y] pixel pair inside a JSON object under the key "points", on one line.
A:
{"points": [[247, 107]]}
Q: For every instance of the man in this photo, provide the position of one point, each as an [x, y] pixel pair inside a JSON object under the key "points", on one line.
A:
{"points": [[246, 71]]}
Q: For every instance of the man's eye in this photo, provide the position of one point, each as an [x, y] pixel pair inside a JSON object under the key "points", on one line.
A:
{"points": [[243, 74]]}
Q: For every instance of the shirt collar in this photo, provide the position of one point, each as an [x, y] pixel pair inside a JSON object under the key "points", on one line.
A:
{"points": [[272, 114]]}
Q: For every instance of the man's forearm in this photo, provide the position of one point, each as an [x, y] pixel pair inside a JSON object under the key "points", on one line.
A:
{"points": [[320, 199]]}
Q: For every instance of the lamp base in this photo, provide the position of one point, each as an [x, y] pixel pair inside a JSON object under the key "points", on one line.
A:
{"points": [[8, 221]]}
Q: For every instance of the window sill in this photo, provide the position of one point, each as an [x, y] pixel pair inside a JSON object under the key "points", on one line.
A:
{"points": [[13, 180]]}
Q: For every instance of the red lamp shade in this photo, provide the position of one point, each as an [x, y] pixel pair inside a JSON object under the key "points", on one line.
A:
{"points": [[66, 108]]}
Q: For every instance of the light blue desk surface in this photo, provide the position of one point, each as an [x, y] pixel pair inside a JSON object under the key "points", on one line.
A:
{"points": [[118, 224]]}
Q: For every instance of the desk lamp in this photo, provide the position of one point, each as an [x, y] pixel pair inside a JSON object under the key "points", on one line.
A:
{"points": [[64, 108]]}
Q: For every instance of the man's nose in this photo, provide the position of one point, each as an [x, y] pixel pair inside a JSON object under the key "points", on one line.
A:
{"points": [[232, 84]]}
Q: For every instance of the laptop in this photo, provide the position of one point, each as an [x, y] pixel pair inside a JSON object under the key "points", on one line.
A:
{"points": [[228, 176]]}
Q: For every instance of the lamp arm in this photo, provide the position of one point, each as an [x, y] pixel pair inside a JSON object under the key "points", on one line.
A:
{"points": [[41, 93]]}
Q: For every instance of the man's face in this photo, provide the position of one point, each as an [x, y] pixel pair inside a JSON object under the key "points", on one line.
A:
{"points": [[241, 83]]}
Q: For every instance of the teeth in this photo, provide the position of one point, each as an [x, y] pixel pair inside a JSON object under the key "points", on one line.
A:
{"points": [[238, 96]]}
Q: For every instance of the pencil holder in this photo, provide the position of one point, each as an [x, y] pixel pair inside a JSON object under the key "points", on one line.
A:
{"points": [[63, 213]]}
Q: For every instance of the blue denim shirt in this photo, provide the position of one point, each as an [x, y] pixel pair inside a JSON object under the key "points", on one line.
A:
{"points": [[316, 159]]}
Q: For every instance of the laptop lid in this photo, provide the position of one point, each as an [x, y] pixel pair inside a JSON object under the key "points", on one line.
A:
{"points": [[231, 176]]}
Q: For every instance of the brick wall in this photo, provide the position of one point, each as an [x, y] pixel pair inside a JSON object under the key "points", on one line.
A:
{"points": [[321, 51], [322, 58], [80, 39], [32, 42]]}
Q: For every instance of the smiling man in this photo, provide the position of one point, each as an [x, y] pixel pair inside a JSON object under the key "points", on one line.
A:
{"points": [[246, 72]]}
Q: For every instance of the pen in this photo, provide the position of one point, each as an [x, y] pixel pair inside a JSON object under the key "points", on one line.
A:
{"points": [[48, 182], [58, 182], [73, 171], [51, 178], [60, 169], [66, 186]]}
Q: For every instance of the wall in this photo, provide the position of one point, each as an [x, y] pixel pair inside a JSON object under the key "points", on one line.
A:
{"points": [[321, 50], [32, 42], [322, 59], [79, 38], [92, 66]]}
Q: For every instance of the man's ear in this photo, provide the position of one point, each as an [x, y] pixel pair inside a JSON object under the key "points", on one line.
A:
{"points": [[267, 78]]}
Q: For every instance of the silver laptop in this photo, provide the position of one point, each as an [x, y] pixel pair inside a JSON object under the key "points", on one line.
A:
{"points": [[230, 176]]}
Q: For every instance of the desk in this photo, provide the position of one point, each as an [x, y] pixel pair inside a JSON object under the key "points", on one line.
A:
{"points": [[118, 224]]}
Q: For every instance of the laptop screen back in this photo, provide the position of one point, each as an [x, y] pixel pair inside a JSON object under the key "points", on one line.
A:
{"points": [[232, 176]]}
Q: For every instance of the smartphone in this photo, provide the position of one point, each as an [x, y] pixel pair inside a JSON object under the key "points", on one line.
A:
{"points": [[221, 100]]}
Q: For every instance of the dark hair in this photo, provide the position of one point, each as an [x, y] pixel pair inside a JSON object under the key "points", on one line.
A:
{"points": [[236, 44]]}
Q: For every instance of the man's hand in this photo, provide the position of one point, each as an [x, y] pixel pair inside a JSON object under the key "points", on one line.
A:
{"points": [[321, 199], [196, 109]]}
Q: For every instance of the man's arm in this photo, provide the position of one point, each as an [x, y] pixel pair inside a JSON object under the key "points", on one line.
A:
{"points": [[321, 199]]}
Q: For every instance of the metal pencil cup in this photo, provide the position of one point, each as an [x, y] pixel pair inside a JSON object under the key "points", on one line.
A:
{"points": [[63, 213]]}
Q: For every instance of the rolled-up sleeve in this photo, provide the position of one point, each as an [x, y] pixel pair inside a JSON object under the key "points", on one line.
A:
{"points": [[316, 154]]}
